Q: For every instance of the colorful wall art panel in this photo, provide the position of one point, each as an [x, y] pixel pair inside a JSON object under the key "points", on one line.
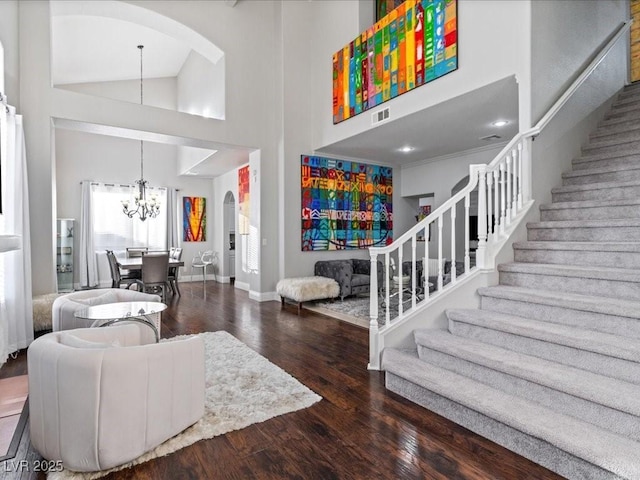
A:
{"points": [[194, 219], [412, 45], [345, 205], [383, 7], [243, 200]]}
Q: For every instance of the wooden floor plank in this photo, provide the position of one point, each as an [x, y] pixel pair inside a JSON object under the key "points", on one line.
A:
{"points": [[358, 431]]}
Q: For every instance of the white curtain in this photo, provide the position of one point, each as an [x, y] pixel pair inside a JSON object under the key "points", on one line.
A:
{"points": [[88, 267], [113, 230], [173, 211], [16, 306]]}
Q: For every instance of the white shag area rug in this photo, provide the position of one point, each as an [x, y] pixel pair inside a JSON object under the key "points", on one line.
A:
{"points": [[242, 388]]}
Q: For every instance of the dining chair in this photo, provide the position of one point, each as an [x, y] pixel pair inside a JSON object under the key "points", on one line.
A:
{"points": [[117, 277], [203, 260], [175, 254], [155, 273]]}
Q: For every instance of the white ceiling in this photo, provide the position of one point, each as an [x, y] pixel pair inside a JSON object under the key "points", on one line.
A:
{"points": [[453, 126], [90, 48]]}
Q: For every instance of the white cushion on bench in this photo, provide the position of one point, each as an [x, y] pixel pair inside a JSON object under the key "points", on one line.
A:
{"points": [[303, 289]]}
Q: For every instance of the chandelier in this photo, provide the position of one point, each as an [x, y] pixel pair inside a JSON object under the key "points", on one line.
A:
{"points": [[144, 208]]}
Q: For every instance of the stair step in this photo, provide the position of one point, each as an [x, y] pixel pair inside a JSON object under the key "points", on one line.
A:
{"points": [[614, 138], [601, 353], [616, 173], [629, 90], [605, 254], [565, 389], [596, 161], [623, 111], [600, 314], [547, 437], [605, 130], [600, 281], [626, 101], [599, 230], [591, 210], [613, 147], [597, 191]]}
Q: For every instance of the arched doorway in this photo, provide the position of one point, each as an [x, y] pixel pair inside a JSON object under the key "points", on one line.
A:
{"points": [[229, 242]]}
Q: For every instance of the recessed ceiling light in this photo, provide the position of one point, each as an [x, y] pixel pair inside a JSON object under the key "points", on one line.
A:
{"points": [[406, 149], [499, 123]]}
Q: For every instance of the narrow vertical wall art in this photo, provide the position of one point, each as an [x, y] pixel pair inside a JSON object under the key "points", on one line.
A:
{"points": [[194, 219], [243, 200]]}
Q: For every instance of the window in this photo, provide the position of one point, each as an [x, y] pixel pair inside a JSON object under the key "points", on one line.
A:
{"points": [[113, 230]]}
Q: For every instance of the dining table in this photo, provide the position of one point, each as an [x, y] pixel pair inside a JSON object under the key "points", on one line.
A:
{"points": [[135, 263]]}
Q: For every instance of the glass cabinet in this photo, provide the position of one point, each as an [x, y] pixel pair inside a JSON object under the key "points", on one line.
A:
{"points": [[64, 254]]}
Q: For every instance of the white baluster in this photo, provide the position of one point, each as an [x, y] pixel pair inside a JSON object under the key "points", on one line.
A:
{"points": [[496, 192], [514, 200], [453, 244], [413, 271], [425, 263], [527, 187], [489, 207], [387, 290], [467, 258], [509, 182], [373, 296], [482, 218], [440, 272], [503, 204], [400, 285], [520, 175]]}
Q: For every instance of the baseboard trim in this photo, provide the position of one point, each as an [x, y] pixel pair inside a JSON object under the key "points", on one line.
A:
{"points": [[242, 286], [264, 297]]}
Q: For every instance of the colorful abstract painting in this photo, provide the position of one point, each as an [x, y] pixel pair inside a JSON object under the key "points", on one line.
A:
{"points": [[345, 205], [412, 45], [383, 7], [194, 219], [243, 200]]}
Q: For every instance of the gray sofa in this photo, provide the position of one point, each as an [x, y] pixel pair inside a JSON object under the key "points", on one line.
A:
{"points": [[353, 275]]}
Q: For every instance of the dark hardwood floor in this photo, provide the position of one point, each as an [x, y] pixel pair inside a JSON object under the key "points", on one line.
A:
{"points": [[358, 431]]}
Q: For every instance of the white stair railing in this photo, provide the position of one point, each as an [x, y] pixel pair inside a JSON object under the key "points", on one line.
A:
{"points": [[503, 190]]}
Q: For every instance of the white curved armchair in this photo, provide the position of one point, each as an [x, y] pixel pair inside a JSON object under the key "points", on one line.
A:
{"points": [[65, 306], [94, 405]]}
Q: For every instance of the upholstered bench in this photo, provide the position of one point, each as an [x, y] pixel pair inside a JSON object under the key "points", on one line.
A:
{"points": [[304, 289]]}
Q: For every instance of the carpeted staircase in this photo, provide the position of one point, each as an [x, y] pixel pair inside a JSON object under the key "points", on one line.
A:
{"points": [[549, 367]]}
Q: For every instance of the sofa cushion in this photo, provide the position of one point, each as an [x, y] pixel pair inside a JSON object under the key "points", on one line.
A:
{"points": [[359, 280]]}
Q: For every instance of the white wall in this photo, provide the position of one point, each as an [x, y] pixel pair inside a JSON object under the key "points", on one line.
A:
{"points": [[85, 156], [493, 39], [9, 40], [157, 92], [565, 35], [249, 36], [201, 88]]}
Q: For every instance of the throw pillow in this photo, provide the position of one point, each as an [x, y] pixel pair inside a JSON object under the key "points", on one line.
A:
{"points": [[76, 342]]}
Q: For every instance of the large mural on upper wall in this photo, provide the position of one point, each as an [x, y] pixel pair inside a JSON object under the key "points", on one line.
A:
{"points": [[345, 205], [409, 47]]}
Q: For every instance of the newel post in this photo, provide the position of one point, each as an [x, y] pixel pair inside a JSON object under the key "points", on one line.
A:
{"points": [[482, 217], [374, 337]]}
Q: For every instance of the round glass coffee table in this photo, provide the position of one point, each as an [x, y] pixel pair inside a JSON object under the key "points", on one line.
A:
{"points": [[147, 313]]}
